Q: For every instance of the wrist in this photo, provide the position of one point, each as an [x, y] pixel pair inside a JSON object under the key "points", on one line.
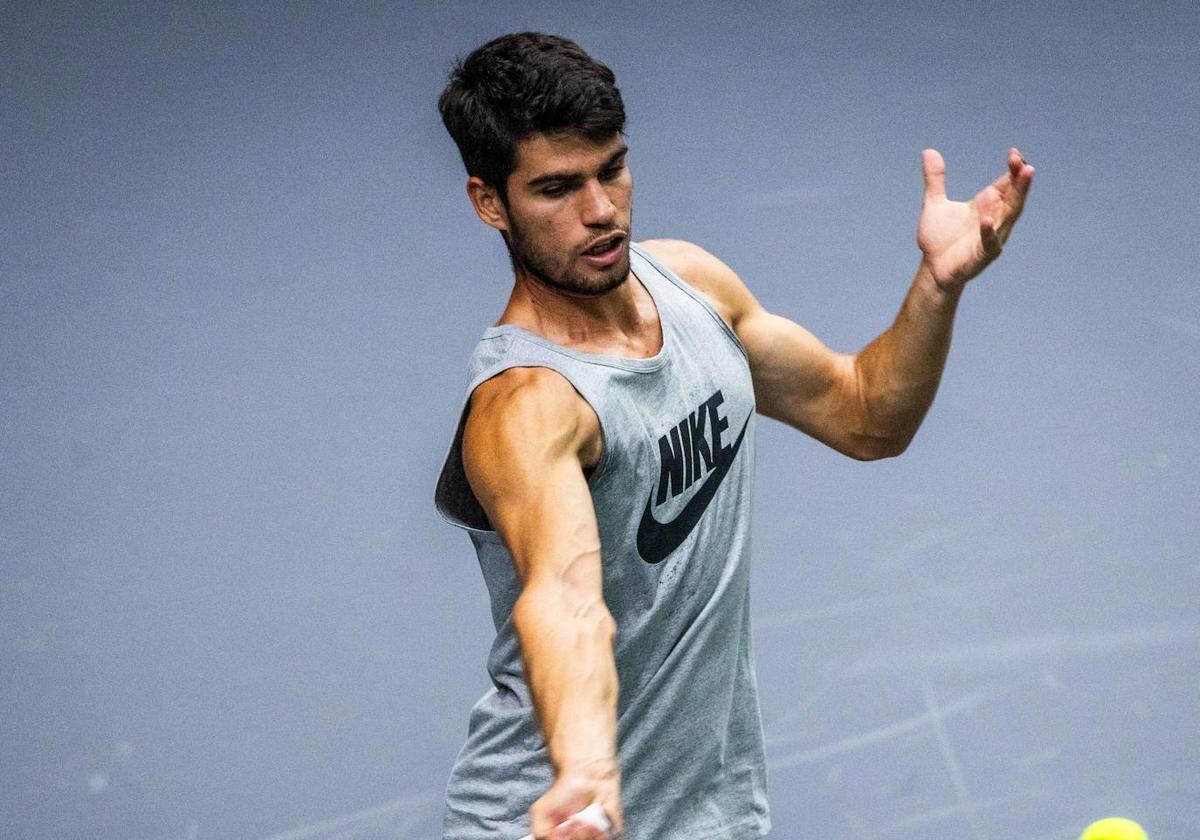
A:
{"points": [[944, 293], [591, 769]]}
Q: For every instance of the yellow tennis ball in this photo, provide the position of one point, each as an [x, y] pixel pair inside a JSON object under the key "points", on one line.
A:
{"points": [[1113, 828]]}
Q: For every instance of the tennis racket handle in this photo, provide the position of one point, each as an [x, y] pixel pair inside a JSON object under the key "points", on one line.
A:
{"points": [[592, 815]]}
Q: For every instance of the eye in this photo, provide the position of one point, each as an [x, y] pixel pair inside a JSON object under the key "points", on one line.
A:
{"points": [[612, 172], [555, 191]]}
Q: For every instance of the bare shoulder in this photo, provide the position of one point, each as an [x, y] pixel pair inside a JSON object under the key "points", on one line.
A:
{"points": [[525, 447], [534, 413], [707, 274]]}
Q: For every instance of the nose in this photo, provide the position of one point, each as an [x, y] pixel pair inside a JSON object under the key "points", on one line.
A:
{"points": [[598, 209]]}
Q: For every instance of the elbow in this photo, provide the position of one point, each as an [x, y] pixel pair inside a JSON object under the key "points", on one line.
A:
{"points": [[877, 448], [875, 428], [894, 450]]}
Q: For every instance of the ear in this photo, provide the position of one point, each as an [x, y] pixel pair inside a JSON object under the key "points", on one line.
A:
{"points": [[487, 203]]}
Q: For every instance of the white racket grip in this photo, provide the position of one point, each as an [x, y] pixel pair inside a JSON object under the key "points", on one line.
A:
{"points": [[592, 815]]}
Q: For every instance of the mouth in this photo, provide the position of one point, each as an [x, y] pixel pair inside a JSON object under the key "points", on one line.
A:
{"points": [[604, 252]]}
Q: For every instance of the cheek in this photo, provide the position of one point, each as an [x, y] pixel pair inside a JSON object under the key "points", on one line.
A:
{"points": [[549, 236], [623, 196], [541, 228], [561, 228]]}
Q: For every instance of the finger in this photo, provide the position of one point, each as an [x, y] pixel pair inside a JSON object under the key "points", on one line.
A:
{"points": [[1014, 198], [573, 830], [1024, 180], [1021, 171], [596, 819], [1010, 191], [1016, 164], [568, 830], [1015, 161], [935, 174], [1001, 186], [544, 823], [590, 823], [992, 245]]}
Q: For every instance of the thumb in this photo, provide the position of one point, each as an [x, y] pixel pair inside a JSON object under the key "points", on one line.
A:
{"points": [[935, 174], [556, 806], [989, 238]]}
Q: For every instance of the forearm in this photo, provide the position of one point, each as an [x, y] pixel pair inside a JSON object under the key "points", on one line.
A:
{"points": [[899, 372], [566, 644]]}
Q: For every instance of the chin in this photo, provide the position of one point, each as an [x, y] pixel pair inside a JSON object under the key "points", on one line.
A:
{"points": [[615, 275]]}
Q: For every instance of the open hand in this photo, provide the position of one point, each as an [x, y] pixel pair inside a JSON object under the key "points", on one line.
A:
{"points": [[959, 239]]}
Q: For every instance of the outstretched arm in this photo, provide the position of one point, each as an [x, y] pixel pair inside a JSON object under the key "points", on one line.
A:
{"points": [[867, 405], [527, 437], [900, 370]]}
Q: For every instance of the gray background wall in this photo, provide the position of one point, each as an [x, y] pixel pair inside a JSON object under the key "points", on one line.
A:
{"points": [[239, 281]]}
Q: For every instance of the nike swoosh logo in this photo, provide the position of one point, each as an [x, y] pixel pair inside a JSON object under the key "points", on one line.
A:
{"points": [[656, 540]]}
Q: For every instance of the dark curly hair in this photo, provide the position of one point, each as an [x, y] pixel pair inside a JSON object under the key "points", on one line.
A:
{"points": [[521, 84]]}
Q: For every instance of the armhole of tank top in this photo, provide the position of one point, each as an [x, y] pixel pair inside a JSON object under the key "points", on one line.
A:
{"points": [[696, 295], [447, 494], [454, 516]]}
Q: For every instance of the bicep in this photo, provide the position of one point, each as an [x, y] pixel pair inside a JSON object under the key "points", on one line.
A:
{"points": [[521, 454], [799, 381]]}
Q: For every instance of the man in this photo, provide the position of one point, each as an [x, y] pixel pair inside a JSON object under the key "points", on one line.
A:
{"points": [[603, 462]]}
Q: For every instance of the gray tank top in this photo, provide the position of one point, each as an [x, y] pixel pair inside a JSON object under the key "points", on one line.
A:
{"points": [[672, 494]]}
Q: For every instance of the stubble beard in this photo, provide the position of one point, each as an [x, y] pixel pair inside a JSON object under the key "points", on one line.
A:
{"points": [[543, 265]]}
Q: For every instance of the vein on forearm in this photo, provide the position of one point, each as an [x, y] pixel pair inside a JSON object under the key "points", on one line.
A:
{"points": [[566, 640]]}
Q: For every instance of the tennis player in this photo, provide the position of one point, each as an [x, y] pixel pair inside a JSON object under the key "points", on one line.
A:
{"points": [[603, 462]]}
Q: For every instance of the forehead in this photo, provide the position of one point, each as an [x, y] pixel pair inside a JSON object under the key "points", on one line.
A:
{"points": [[539, 154]]}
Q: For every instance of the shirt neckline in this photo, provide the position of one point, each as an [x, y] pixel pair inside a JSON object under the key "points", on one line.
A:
{"points": [[644, 363]]}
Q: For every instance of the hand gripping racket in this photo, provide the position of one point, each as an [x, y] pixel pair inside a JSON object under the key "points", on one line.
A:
{"points": [[592, 815]]}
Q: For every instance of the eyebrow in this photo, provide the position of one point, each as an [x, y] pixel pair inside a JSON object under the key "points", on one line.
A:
{"points": [[550, 177]]}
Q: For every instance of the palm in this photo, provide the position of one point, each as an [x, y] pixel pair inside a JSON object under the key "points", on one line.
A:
{"points": [[960, 238]]}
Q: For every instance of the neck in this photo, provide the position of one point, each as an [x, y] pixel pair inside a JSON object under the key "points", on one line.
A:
{"points": [[622, 317]]}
